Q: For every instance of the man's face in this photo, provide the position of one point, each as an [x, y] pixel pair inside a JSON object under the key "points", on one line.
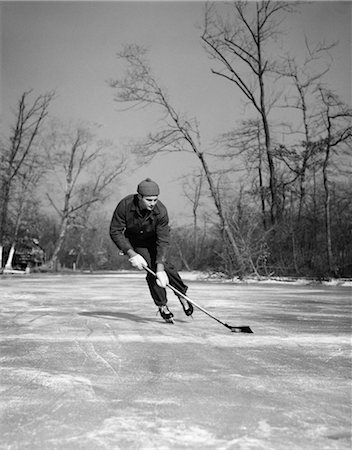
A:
{"points": [[148, 202]]}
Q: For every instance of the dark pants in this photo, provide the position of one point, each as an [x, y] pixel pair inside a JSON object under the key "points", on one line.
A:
{"points": [[158, 293]]}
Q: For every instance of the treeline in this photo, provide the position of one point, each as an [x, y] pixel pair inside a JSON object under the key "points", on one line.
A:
{"points": [[271, 197], [53, 176], [280, 180]]}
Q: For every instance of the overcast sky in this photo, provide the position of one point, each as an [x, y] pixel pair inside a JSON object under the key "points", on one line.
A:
{"points": [[70, 47]]}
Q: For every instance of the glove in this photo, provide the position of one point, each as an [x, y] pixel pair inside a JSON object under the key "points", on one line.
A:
{"points": [[162, 279], [138, 261]]}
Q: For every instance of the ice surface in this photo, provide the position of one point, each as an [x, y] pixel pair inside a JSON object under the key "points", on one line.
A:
{"points": [[87, 364]]}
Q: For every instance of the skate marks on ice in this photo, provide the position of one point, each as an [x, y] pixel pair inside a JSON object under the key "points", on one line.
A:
{"points": [[110, 315], [130, 430]]}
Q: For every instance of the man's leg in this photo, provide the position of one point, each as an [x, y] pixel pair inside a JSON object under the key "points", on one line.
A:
{"points": [[158, 293], [175, 279]]}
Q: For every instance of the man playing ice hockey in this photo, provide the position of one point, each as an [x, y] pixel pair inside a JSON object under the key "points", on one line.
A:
{"points": [[140, 229]]}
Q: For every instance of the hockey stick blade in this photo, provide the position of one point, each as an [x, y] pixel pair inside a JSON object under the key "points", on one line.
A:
{"points": [[243, 329]]}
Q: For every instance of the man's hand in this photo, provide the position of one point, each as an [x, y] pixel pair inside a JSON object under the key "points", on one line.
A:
{"points": [[138, 261], [162, 279]]}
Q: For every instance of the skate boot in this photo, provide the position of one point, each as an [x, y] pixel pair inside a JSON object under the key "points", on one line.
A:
{"points": [[187, 306], [166, 314]]}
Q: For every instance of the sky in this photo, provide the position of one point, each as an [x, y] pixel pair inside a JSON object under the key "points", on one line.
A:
{"points": [[70, 47]]}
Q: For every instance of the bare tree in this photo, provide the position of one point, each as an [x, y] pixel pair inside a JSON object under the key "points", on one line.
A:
{"points": [[78, 162], [237, 45], [193, 192], [179, 133], [336, 122], [305, 77], [16, 152], [22, 198], [247, 141]]}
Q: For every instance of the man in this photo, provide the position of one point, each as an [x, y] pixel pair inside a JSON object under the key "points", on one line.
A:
{"points": [[140, 229]]}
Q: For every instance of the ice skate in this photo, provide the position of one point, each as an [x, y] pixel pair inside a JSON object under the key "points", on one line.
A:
{"points": [[187, 306], [166, 314]]}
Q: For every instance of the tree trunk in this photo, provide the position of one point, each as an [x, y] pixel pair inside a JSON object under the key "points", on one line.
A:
{"points": [[53, 263], [17, 227], [293, 235], [195, 234], [261, 185], [274, 206], [183, 259], [327, 209], [8, 264], [224, 223], [4, 210]]}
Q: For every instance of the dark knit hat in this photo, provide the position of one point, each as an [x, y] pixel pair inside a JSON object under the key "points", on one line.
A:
{"points": [[148, 187]]}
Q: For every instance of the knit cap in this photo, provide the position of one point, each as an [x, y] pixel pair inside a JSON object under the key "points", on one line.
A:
{"points": [[148, 187]]}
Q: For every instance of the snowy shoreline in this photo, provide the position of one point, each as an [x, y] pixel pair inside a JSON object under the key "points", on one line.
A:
{"points": [[218, 278], [196, 276]]}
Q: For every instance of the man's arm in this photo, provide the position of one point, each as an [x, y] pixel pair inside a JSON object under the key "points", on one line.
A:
{"points": [[117, 229], [162, 237], [162, 243], [117, 234]]}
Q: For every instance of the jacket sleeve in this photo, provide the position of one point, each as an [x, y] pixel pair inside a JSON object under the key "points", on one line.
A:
{"points": [[118, 227], [162, 237]]}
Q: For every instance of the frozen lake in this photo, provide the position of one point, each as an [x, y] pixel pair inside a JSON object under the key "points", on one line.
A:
{"points": [[87, 364]]}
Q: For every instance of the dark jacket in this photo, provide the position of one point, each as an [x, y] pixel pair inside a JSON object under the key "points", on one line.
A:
{"points": [[132, 227]]}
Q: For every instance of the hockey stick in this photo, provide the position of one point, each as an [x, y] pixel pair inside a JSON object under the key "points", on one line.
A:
{"points": [[240, 329]]}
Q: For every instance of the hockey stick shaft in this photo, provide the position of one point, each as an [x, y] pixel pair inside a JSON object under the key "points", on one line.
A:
{"points": [[176, 291]]}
